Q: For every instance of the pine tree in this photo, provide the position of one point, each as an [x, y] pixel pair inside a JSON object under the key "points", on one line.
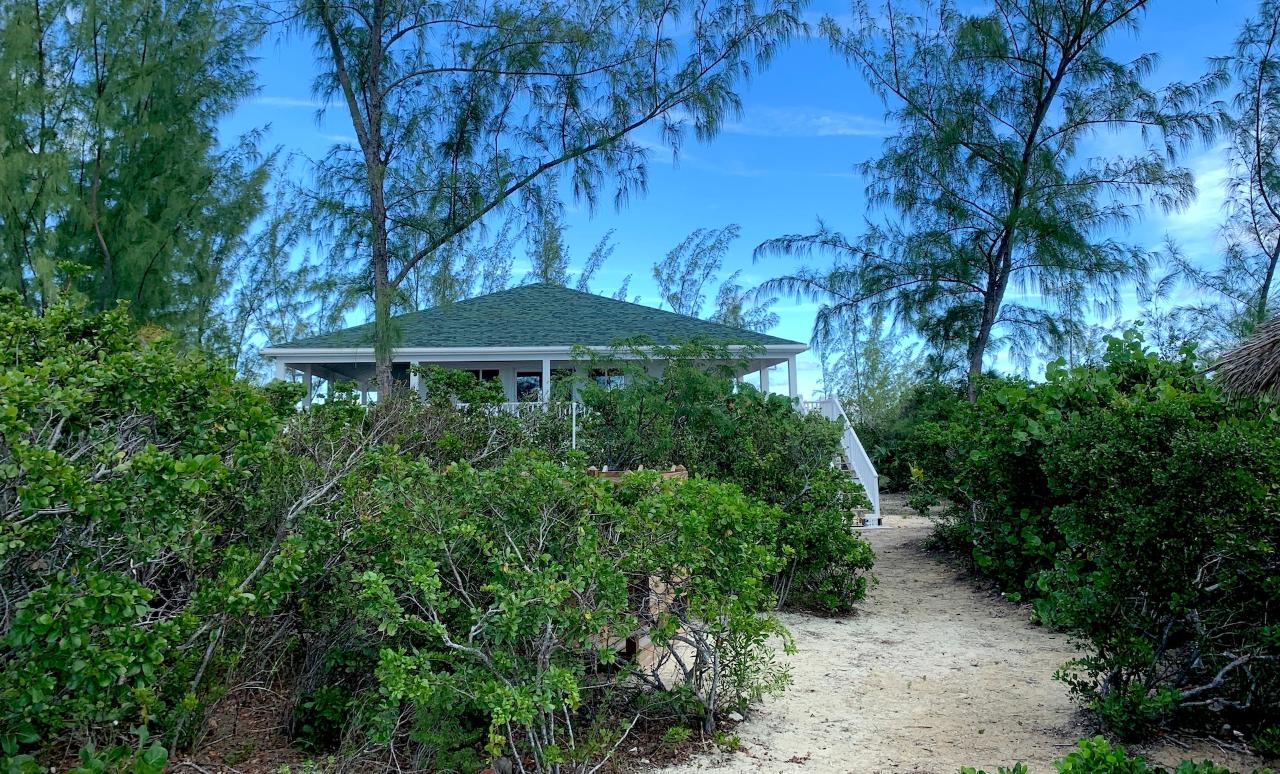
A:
{"points": [[1242, 291], [985, 180], [463, 110], [109, 154]]}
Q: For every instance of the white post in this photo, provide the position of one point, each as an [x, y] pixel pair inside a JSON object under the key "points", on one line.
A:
{"points": [[546, 379], [282, 371], [792, 379], [764, 380], [507, 375], [415, 381], [306, 379]]}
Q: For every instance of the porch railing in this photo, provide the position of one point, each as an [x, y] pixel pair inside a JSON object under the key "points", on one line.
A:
{"points": [[570, 410], [854, 453]]}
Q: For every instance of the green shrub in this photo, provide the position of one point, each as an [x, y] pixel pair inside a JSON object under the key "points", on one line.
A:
{"points": [[1098, 756], [1017, 768], [410, 578], [494, 606], [449, 385], [905, 442], [1137, 507], [694, 415], [1170, 514], [127, 486]]}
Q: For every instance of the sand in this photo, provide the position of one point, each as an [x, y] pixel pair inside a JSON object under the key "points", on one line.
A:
{"points": [[933, 673]]}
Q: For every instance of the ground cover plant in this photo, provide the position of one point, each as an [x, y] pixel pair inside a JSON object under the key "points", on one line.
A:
{"points": [[1098, 756], [1135, 505]]}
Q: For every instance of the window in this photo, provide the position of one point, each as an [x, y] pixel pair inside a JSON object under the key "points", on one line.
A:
{"points": [[608, 378], [484, 374], [528, 385]]}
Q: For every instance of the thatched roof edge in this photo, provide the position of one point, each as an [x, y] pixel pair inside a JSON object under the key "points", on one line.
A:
{"points": [[1253, 366]]}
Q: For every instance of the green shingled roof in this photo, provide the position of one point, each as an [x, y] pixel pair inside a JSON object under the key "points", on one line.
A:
{"points": [[538, 316]]}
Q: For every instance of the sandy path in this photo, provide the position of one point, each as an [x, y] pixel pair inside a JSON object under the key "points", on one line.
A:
{"points": [[932, 674]]}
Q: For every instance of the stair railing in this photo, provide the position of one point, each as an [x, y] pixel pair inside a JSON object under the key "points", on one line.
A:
{"points": [[854, 453]]}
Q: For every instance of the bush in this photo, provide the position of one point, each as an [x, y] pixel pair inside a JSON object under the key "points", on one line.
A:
{"points": [[904, 444], [127, 481], [1136, 505], [693, 414], [408, 577], [495, 606]]}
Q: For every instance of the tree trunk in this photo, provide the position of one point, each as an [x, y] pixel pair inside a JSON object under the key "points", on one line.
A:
{"points": [[381, 297], [991, 302], [977, 348], [1264, 293]]}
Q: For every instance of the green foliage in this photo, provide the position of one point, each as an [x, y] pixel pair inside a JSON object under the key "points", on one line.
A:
{"points": [[494, 606], [1134, 504], [676, 735], [984, 176], [1240, 293], [127, 484], [1098, 756], [110, 158], [692, 414], [688, 268], [1017, 768], [449, 385], [406, 573], [913, 438]]}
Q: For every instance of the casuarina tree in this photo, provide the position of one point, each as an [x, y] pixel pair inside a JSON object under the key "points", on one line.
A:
{"points": [[110, 154], [1003, 223], [462, 109], [1240, 293]]}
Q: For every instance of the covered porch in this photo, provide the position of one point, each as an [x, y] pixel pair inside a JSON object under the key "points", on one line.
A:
{"points": [[525, 376]]}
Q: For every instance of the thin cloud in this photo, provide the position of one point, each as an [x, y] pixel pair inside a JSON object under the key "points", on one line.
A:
{"points": [[339, 138], [1198, 228], [807, 122], [288, 102]]}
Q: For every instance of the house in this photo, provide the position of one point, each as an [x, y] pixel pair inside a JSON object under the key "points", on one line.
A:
{"points": [[523, 337]]}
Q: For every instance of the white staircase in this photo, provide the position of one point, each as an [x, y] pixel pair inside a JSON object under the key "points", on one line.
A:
{"points": [[854, 457]]}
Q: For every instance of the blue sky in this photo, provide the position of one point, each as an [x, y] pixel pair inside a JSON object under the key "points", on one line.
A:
{"points": [[807, 121]]}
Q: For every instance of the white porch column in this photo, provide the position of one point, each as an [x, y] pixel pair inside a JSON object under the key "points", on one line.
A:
{"points": [[546, 379], [307, 380], [507, 375], [282, 371], [764, 380], [793, 389], [415, 381]]}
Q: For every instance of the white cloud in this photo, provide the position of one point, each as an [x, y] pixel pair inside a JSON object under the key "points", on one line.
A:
{"points": [[344, 139], [1197, 229], [288, 102], [807, 122]]}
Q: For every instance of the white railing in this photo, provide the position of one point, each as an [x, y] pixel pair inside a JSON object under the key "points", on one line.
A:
{"points": [[524, 408], [856, 456]]}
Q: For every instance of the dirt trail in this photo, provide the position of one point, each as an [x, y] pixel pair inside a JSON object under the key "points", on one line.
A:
{"points": [[932, 674]]}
